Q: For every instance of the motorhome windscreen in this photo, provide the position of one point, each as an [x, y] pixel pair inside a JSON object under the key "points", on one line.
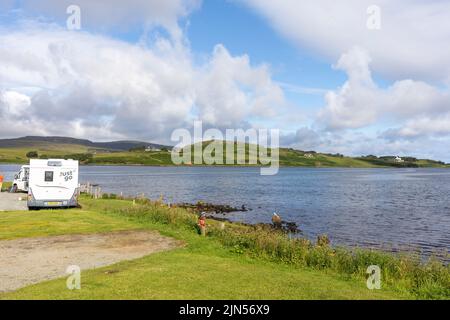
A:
{"points": [[48, 176]]}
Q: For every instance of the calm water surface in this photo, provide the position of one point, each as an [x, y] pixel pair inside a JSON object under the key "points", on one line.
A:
{"points": [[392, 208]]}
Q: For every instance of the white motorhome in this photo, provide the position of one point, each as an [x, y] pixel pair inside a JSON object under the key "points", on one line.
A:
{"points": [[20, 182], [53, 183]]}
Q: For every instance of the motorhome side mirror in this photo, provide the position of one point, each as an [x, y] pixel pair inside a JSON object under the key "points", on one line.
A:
{"points": [[16, 176]]}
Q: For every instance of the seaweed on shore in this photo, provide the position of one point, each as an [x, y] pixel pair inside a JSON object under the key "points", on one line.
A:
{"points": [[213, 209], [201, 206]]}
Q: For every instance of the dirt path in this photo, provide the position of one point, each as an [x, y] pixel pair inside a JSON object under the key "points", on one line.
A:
{"points": [[32, 260], [11, 202]]}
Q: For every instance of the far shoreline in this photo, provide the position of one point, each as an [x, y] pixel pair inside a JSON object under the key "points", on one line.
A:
{"points": [[235, 166]]}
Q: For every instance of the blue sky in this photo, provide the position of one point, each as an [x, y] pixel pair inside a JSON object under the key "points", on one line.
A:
{"points": [[248, 33], [317, 71], [244, 32]]}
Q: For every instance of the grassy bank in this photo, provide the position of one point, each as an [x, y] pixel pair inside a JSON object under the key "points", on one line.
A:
{"points": [[287, 157], [234, 262], [24, 224]]}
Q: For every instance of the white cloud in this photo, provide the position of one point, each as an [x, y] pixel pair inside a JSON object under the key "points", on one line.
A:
{"points": [[357, 143], [116, 14], [411, 50], [13, 103], [303, 139], [412, 43], [423, 127], [95, 87], [360, 102], [87, 85], [230, 91]]}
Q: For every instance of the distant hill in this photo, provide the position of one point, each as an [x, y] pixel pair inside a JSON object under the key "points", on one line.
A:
{"points": [[35, 141], [135, 153], [289, 157]]}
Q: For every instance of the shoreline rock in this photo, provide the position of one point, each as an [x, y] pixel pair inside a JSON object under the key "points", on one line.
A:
{"points": [[213, 210], [201, 206]]}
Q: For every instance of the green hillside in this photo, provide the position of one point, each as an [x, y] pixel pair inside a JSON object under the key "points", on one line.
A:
{"points": [[298, 158], [138, 156], [18, 154]]}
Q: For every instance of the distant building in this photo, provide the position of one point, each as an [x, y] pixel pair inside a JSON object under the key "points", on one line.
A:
{"points": [[150, 148], [399, 160], [308, 155]]}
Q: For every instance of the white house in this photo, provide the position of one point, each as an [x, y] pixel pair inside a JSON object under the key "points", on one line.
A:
{"points": [[149, 149], [398, 159]]}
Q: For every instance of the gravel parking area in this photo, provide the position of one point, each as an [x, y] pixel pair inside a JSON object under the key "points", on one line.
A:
{"points": [[28, 261]]}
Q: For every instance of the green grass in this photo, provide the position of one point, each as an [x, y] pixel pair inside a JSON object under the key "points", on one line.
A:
{"points": [[57, 222], [49, 150], [205, 268], [288, 157], [161, 158], [211, 274], [294, 158]]}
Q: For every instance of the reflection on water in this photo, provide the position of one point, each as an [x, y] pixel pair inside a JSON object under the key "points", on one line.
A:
{"points": [[394, 208]]}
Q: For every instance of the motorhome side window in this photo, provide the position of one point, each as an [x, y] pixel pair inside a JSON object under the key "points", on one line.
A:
{"points": [[48, 176]]}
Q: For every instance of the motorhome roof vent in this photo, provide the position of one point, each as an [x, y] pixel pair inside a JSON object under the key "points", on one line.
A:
{"points": [[54, 163]]}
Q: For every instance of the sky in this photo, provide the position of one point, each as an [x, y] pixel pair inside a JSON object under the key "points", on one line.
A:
{"points": [[333, 76]]}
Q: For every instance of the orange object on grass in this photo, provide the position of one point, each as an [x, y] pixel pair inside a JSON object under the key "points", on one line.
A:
{"points": [[202, 224]]}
